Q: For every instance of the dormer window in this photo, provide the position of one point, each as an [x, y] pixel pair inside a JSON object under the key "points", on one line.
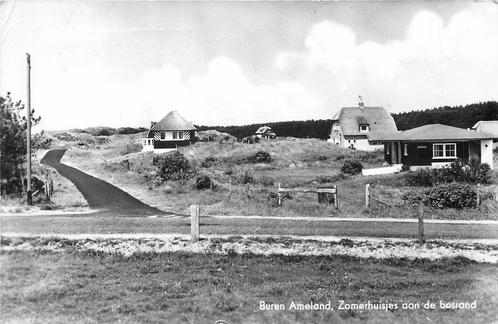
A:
{"points": [[364, 128]]}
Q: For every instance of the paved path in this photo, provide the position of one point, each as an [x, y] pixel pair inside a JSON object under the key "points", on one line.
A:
{"points": [[83, 224], [99, 194]]}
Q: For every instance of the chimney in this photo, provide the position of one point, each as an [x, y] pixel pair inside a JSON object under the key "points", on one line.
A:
{"points": [[360, 103]]}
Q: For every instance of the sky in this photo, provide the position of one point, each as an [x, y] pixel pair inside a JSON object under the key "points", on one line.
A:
{"points": [[108, 63]]}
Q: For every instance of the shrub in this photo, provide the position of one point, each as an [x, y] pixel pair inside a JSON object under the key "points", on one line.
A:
{"points": [[414, 198], [260, 157], [322, 158], [484, 174], [130, 130], [203, 182], [352, 166], [173, 167], [419, 178], [208, 162], [340, 157], [452, 195], [474, 173]]}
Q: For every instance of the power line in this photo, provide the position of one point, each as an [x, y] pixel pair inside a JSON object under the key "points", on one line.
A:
{"points": [[7, 22]]}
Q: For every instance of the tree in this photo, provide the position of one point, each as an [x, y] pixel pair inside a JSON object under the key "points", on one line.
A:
{"points": [[13, 126]]}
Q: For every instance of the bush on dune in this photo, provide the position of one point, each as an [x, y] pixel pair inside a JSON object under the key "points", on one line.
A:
{"points": [[475, 173], [173, 167], [352, 166], [451, 195]]}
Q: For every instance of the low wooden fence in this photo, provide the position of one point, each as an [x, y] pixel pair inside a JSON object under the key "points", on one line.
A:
{"points": [[325, 194], [370, 195]]}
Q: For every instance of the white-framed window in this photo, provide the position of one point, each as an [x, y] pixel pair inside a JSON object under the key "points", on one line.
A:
{"points": [[405, 149], [444, 150], [177, 135], [163, 135], [364, 128]]}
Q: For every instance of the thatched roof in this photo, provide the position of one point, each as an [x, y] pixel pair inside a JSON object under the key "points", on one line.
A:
{"points": [[264, 130], [436, 132], [378, 118], [173, 122]]}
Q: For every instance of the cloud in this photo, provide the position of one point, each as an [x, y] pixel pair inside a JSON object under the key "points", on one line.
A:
{"points": [[223, 95], [435, 64]]}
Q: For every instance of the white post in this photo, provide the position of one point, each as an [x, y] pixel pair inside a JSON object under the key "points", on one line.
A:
{"points": [[279, 196], [194, 222]]}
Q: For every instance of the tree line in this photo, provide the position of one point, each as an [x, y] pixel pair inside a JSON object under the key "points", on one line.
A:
{"points": [[457, 116]]}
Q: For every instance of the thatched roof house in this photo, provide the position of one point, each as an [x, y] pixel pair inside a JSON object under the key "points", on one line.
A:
{"points": [[360, 127], [169, 133]]}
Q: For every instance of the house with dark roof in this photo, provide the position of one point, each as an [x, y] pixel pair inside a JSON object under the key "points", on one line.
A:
{"points": [[354, 127], [169, 133], [265, 132], [436, 145]]}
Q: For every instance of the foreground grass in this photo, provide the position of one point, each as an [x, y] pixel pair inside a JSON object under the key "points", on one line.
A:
{"points": [[193, 288]]}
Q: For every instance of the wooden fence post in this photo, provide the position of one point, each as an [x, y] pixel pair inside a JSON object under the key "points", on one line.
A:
{"points": [[367, 195], [421, 237], [478, 197], [194, 222], [336, 198]]}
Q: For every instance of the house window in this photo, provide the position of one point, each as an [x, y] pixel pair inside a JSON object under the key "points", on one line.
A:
{"points": [[405, 149], [364, 128], [177, 135], [163, 135], [442, 151]]}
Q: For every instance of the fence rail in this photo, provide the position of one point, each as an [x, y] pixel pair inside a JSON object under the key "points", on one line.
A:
{"points": [[325, 195]]}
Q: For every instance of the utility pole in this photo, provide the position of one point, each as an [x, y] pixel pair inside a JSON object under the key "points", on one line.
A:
{"points": [[28, 131]]}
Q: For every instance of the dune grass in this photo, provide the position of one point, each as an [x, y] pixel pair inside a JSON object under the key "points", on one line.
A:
{"points": [[244, 188]]}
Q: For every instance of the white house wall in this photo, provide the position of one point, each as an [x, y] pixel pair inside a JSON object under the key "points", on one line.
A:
{"points": [[362, 145], [487, 152]]}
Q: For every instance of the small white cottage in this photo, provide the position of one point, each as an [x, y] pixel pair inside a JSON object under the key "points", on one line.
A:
{"points": [[265, 132], [169, 133]]}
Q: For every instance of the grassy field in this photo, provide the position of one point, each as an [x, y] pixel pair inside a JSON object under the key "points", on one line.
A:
{"points": [[198, 288], [244, 188]]}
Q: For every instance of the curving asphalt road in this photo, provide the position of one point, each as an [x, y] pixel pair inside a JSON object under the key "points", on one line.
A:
{"points": [[99, 194]]}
